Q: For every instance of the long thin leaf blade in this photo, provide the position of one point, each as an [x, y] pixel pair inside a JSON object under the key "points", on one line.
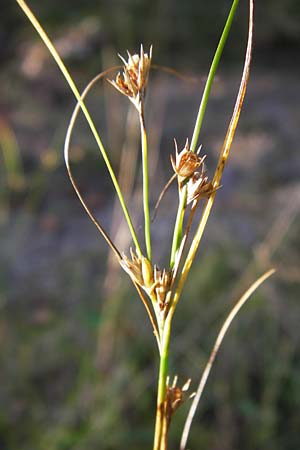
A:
{"points": [[216, 347]]}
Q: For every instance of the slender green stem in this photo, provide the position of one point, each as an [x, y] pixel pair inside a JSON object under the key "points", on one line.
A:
{"points": [[211, 75], [202, 108], [76, 93], [178, 226], [221, 164], [162, 383], [145, 184]]}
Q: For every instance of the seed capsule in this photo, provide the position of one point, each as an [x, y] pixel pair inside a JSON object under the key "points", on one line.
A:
{"points": [[133, 81], [186, 162]]}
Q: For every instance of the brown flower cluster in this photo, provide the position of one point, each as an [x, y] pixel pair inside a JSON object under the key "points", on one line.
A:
{"points": [[133, 81], [155, 282], [175, 396], [185, 162], [186, 165]]}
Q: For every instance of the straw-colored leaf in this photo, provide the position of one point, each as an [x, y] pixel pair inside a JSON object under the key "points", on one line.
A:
{"points": [[214, 352]]}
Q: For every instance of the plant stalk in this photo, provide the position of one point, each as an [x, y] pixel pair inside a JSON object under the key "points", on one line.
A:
{"points": [[177, 236], [202, 108], [162, 385], [145, 184], [211, 75], [222, 160]]}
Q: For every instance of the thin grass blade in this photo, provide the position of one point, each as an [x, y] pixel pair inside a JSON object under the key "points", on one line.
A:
{"points": [[219, 340]]}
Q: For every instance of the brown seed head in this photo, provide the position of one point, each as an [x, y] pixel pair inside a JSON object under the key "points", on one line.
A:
{"points": [[133, 81], [133, 267], [162, 281], [175, 396], [186, 162], [199, 186], [154, 282]]}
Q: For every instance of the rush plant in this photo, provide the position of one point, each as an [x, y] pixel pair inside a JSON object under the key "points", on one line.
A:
{"points": [[160, 289]]}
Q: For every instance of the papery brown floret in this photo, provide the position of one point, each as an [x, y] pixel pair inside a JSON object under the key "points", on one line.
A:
{"points": [[133, 81]]}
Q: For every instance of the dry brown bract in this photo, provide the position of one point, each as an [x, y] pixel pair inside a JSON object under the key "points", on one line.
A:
{"points": [[133, 81]]}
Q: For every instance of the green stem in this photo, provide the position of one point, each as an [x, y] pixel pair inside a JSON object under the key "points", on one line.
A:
{"points": [[202, 108], [76, 93], [220, 167], [145, 185], [162, 383], [211, 75], [178, 226]]}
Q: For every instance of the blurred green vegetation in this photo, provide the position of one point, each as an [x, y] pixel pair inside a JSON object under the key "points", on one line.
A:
{"points": [[77, 356]]}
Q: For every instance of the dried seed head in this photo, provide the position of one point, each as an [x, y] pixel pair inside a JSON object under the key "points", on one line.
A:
{"points": [[133, 81], [154, 282], [199, 186], [162, 281], [133, 267], [186, 162], [175, 396]]}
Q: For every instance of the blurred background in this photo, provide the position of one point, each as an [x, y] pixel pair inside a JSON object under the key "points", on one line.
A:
{"points": [[78, 357]]}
